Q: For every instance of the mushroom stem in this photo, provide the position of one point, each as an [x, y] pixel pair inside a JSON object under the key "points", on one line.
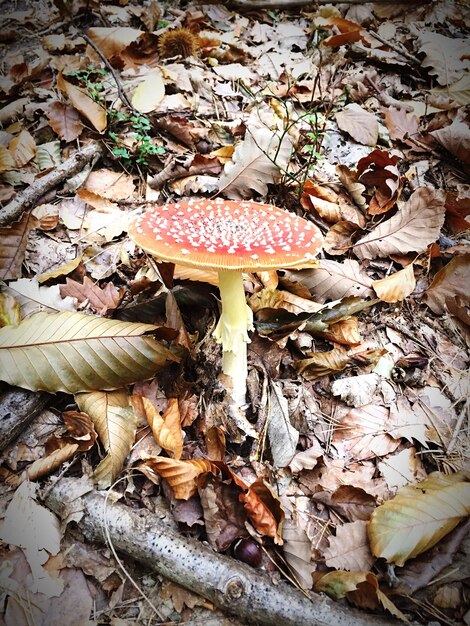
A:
{"points": [[232, 329]]}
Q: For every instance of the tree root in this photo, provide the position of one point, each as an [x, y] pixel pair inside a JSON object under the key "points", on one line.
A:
{"points": [[32, 194], [232, 586]]}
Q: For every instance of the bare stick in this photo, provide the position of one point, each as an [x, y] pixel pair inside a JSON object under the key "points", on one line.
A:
{"points": [[18, 407], [32, 194], [233, 586], [121, 93]]}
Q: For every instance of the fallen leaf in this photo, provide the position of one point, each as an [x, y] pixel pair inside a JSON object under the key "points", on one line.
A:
{"points": [[116, 425], [48, 464], [149, 93], [6, 159], [349, 549], [307, 459], [91, 110], [322, 364], [417, 224], [14, 240], [181, 475], [444, 56], [401, 469], [396, 287], [455, 138], [166, 428], [64, 120], [62, 270], [283, 437], [252, 166], [264, 510], [22, 148], [113, 41], [74, 352], [451, 281], [10, 311], [359, 123], [34, 299], [110, 184], [100, 299], [418, 517]]}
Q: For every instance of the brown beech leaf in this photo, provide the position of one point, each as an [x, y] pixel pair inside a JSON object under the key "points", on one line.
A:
{"points": [[166, 428], [224, 515], [113, 41], [451, 281], [338, 240], [418, 517], [402, 126], [80, 99], [109, 184], [101, 299], [264, 510], [215, 443], [116, 425], [361, 434], [22, 148], [455, 138], [48, 464], [379, 169], [397, 286], [349, 549], [307, 459], [189, 132], [351, 502], [417, 224], [359, 123], [80, 430], [333, 280], [257, 161], [322, 364], [64, 120], [14, 239], [329, 205], [181, 475], [355, 188], [444, 56], [457, 210], [345, 332]]}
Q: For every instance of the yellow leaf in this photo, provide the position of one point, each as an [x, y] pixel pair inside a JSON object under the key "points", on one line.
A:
{"points": [[116, 425], [22, 148], [396, 287], [74, 352], [80, 99], [10, 310], [181, 475], [63, 270], [148, 95], [6, 160], [418, 517]]}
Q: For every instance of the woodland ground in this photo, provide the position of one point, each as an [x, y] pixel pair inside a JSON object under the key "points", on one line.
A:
{"points": [[347, 472]]}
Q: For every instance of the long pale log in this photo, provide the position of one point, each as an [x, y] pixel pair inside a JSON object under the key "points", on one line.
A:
{"points": [[234, 587], [18, 407], [32, 194]]}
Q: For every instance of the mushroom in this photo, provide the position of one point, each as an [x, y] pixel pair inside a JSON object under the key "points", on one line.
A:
{"points": [[230, 237]]}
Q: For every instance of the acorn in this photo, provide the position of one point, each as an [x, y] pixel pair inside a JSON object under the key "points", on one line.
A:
{"points": [[179, 41], [248, 551]]}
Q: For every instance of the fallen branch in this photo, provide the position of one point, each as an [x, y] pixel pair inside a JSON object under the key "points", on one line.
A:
{"points": [[18, 407], [32, 194], [232, 586]]}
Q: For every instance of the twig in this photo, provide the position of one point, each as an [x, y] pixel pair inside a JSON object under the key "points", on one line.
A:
{"points": [[231, 585], [121, 93], [29, 196], [398, 49]]}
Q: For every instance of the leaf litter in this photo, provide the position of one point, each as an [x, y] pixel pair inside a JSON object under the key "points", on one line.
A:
{"points": [[351, 467]]}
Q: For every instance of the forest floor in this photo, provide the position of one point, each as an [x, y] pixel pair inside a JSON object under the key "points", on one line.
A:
{"points": [[126, 468]]}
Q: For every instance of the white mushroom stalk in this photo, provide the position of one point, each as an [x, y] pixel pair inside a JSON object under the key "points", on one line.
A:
{"points": [[230, 237], [232, 329]]}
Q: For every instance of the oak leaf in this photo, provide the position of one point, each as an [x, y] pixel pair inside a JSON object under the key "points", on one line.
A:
{"points": [[101, 299]]}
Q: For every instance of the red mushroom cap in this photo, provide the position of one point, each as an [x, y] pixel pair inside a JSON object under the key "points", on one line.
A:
{"points": [[227, 235]]}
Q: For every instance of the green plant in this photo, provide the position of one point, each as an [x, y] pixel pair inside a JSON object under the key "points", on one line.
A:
{"points": [[143, 146], [90, 77]]}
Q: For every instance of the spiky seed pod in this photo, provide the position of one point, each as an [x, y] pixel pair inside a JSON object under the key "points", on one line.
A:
{"points": [[180, 41]]}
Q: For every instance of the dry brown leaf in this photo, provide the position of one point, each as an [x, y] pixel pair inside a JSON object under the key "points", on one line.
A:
{"points": [[360, 124], [338, 240], [22, 148], [329, 205], [402, 468], [14, 239], [100, 299], [215, 443], [150, 92], [113, 41], [98, 202], [361, 434], [444, 56], [306, 459], [349, 549], [355, 189], [402, 126], [181, 475], [352, 503], [451, 281], [397, 286], [64, 120], [113, 185], [417, 224], [116, 425], [322, 364], [455, 138], [264, 510], [279, 299], [10, 310], [166, 428], [252, 167], [345, 332], [47, 216], [80, 99], [333, 280], [62, 270], [46, 465], [380, 169]]}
